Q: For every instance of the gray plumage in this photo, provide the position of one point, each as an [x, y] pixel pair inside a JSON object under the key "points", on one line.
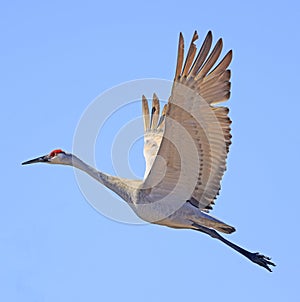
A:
{"points": [[185, 149]]}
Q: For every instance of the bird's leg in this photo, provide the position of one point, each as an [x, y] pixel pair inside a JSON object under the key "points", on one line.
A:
{"points": [[254, 257]]}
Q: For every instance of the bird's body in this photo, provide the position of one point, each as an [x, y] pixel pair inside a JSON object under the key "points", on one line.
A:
{"points": [[132, 192], [185, 148]]}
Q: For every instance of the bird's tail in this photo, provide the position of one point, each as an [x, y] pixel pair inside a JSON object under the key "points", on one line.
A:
{"points": [[225, 228], [213, 223]]}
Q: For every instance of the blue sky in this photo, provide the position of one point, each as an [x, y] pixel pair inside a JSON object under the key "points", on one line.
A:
{"points": [[56, 57]]}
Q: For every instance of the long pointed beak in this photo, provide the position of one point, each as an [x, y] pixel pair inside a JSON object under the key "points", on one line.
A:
{"points": [[41, 159]]}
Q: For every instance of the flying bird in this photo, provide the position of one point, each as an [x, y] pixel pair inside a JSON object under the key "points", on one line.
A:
{"points": [[185, 149]]}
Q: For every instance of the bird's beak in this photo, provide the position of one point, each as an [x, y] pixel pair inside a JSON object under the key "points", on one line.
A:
{"points": [[41, 159]]}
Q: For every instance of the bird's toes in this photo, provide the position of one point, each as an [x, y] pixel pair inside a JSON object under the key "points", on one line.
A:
{"points": [[262, 260]]}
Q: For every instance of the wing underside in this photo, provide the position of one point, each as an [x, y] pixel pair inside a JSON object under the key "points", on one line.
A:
{"points": [[186, 147]]}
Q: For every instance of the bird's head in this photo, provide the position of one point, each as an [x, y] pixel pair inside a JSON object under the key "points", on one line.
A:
{"points": [[57, 156]]}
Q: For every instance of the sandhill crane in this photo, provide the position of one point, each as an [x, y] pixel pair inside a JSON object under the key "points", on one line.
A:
{"points": [[192, 135]]}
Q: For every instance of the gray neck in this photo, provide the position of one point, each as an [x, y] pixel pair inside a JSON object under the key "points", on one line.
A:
{"points": [[121, 186]]}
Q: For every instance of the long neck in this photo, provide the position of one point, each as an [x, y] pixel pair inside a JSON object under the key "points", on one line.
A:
{"points": [[118, 185]]}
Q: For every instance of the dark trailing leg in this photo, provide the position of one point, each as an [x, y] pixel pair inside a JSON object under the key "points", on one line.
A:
{"points": [[254, 257]]}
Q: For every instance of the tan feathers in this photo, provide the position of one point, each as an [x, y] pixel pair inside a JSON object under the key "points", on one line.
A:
{"points": [[195, 82]]}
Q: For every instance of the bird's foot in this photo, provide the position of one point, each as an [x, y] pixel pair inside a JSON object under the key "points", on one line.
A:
{"points": [[261, 260]]}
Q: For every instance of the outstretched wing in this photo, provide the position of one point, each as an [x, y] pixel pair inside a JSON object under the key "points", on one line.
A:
{"points": [[191, 158]]}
